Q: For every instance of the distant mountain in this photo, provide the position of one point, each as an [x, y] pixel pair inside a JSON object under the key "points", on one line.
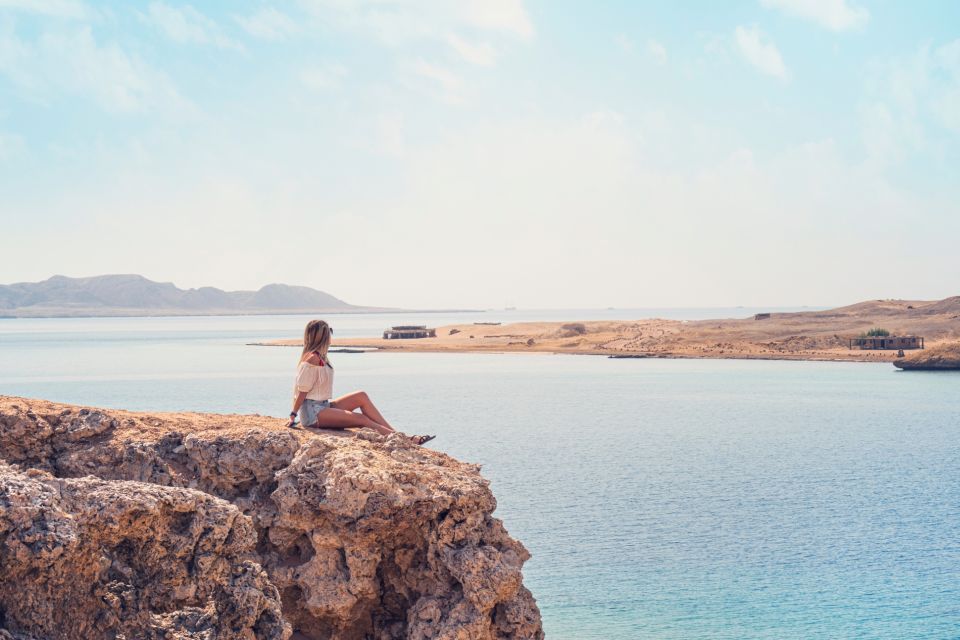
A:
{"points": [[133, 295]]}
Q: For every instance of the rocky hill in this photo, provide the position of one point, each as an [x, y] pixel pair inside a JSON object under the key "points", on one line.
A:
{"points": [[197, 526], [127, 295]]}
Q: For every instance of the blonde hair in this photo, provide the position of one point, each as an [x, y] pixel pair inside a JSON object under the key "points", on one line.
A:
{"points": [[316, 337]]}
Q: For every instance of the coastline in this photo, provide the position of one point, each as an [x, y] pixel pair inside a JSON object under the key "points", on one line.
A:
{"points": [[363, 345], [808, 335]]}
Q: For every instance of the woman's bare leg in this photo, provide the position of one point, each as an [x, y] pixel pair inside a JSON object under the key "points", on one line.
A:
{"points": [[360, 400], [336, 418]]}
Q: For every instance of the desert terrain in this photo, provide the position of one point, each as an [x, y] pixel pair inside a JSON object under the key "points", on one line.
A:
{"points": [[809, 335]]}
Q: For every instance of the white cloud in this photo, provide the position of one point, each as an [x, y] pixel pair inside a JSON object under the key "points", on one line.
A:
{"points": [[624, 43], [907, 100], [268, 24], [15, 57], [323, 77], [395, 22], [501, 15], [757, 49], [118, 81], [657, 51], [68, 9], [653, 48], [74, 62], [478, 31], [837, 15], [187, 25], [482, 54], [442, 83]]}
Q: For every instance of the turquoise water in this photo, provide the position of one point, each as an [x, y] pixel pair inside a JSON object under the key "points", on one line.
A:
{"points": [[660, 498]]}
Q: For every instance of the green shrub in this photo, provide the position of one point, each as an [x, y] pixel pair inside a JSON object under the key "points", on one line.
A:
{"points": [[875, 333]]}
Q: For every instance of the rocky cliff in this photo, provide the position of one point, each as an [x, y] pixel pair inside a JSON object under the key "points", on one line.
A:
{"points": [[124, 525], [942, 357]]}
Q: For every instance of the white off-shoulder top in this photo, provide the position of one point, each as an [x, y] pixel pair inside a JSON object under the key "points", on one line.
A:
{"points": [[315, 380]]}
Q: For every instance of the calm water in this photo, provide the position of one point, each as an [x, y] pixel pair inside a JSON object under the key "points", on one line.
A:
{"points": [[661, 499]]}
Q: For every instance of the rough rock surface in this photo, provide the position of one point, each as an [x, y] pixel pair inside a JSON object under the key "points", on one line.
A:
{"points": [[943, 357], [362, 537], [85, 558]]}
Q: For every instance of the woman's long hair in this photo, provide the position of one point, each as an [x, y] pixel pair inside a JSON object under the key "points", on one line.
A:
{"points": [[316, 337]]}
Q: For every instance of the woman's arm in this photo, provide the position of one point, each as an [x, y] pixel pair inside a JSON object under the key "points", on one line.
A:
{"points": [[297, 403], [306, 380]]}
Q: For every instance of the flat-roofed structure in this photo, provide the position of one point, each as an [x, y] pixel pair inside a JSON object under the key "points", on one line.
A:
{"points": [[407, 332], [886, 342]]}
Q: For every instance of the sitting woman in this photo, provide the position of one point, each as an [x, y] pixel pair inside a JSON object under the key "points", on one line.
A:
{"points": [[314, 387]]}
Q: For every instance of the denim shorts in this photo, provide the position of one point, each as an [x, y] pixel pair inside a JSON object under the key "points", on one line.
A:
{"points": [[310, 409]]}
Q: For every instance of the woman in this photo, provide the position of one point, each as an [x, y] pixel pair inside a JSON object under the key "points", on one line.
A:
{"points": [[314, 386]]}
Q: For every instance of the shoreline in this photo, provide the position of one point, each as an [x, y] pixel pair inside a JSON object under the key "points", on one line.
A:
{"points": [[821, 336], [356, 347], [605, 344]]}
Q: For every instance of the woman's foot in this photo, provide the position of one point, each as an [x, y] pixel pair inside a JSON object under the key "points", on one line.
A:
{"points": [[422, 439]]}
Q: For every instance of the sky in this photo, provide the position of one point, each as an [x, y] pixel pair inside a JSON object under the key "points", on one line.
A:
{"points": [[488, 153]]}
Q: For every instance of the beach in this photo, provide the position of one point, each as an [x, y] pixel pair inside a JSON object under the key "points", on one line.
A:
{"points": [[805, 335]]}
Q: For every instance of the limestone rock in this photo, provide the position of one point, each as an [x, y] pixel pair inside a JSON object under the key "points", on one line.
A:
{"points": [[362, 537], [943, 357], [86, 558]]}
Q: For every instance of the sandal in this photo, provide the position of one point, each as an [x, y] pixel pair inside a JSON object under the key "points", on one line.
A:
{"points": [[421, 440]]}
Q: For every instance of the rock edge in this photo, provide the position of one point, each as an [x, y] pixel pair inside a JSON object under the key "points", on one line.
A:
{"points": [[357, 537]]}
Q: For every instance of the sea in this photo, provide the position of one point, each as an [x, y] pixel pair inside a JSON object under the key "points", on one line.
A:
{"points": [[721, 499]]}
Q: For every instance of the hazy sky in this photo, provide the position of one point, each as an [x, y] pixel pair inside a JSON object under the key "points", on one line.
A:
{"points": [[477, 153]]}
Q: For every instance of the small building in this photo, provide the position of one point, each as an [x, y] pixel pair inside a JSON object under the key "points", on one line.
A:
{"points": [[761, 316], [407, 332], [886, 342]]}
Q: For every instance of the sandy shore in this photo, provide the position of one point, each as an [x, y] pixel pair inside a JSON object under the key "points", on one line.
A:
{"points": [[815, 335]]}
